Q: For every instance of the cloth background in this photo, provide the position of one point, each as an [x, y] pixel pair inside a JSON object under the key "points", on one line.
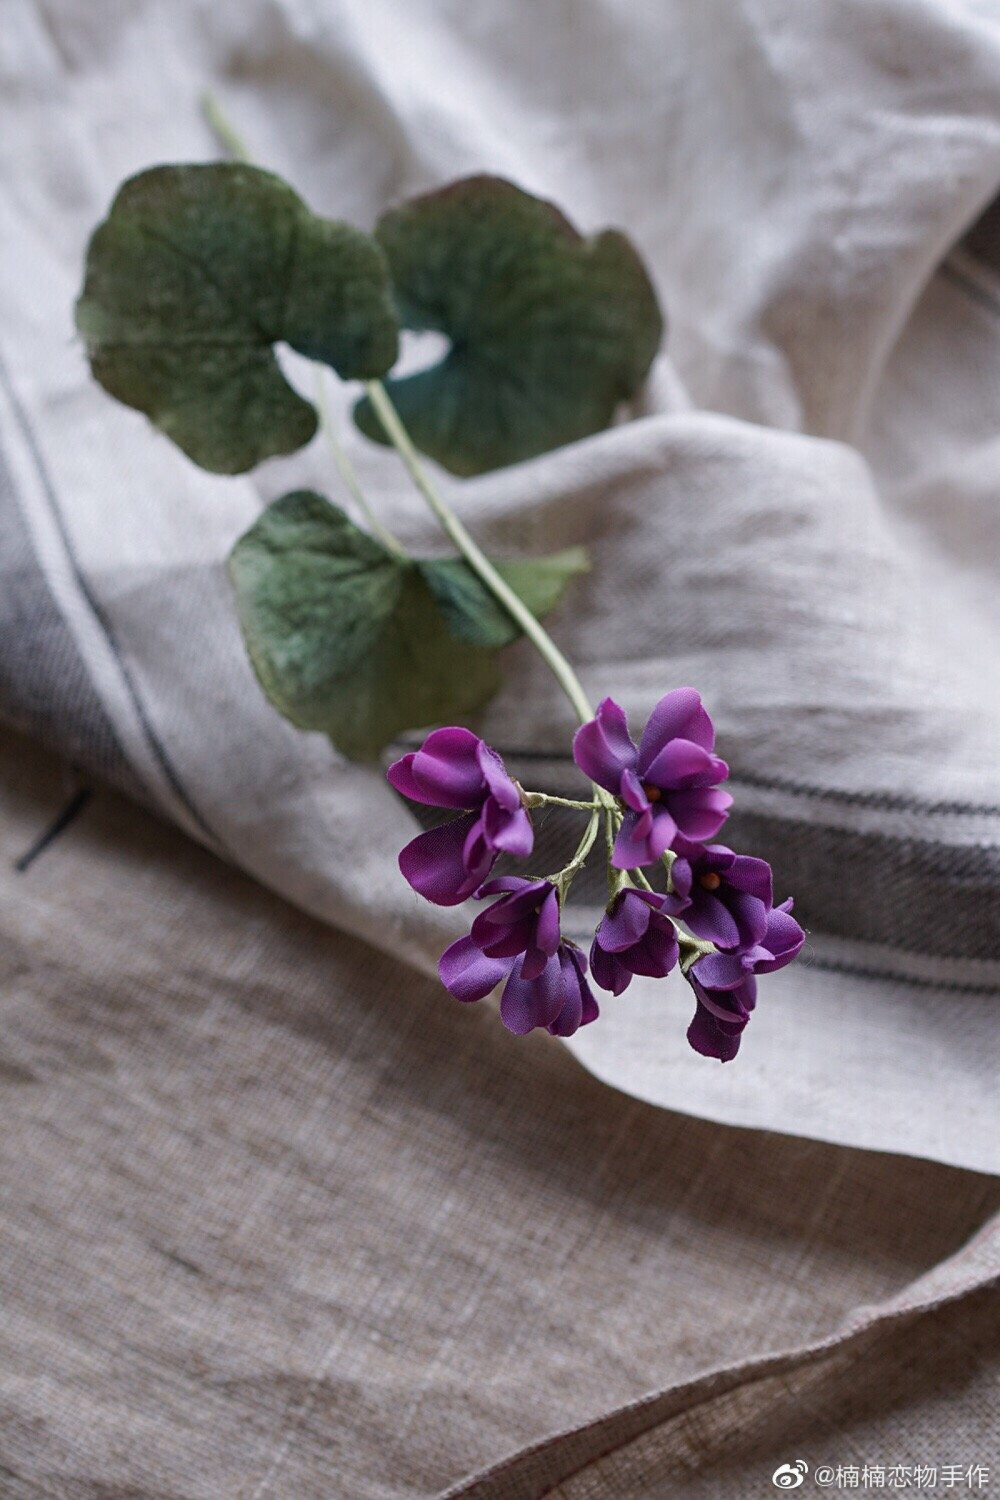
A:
{"points": [[281, 1219]]}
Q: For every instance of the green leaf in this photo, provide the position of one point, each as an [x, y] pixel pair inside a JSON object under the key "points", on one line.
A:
{"points": [[549, 331], [193, 277], [345, 637], [472, 613]]}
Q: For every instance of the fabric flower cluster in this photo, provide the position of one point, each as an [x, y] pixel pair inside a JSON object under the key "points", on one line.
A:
{"points": [[660, 801]]}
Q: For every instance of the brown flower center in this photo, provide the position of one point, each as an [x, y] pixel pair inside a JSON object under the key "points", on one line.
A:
{"points": [[710, 881], [652, 792]]}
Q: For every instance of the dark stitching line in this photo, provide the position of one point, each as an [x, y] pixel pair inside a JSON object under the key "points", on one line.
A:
{"points": [[48, 489], [971, 288], [880, 801], [860, 971], [59, 825]]}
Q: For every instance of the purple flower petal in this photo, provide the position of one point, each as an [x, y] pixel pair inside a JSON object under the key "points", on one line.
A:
{"points": [[705, 858], [527, 1003], [508, 831], [603, 749], [400, 776], [714, 1038], [534, 962], [608, 970], [699, 812], [627, 920], [720, 971], [681, 763], [444, 772], [753, 876], [579, 1007], [547, 931], [710, 918], [477, 856], [495, 775], [433, 863], [512, 884], [643, 838], [591, 1009], [656, 955], [750, 914], [467, 973], [631, 792], [503, 940], [678, 715], [681, 876], [725, 1005], [783, 939]]}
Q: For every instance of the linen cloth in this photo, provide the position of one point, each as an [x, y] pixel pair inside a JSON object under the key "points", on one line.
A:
{"points": [[803, 523], [278, 1224], [279, 1218]]}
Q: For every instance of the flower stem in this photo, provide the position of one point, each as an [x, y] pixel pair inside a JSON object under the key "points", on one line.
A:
{"points": [[477, 560], [348, 473], [545, 799], [564, 879], [217, 121]]}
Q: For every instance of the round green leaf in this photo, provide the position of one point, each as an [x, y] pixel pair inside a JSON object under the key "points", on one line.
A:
{"points": [[549, 331], [345, 637], [193, 277], [474, 615]]}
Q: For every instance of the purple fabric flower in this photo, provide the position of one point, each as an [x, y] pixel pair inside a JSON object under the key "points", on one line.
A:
{"points": [[719, 1018], [558, 997], [524, 920], [456, 770], [723, 897], [634, 937], [725, 985], [667, 782]]}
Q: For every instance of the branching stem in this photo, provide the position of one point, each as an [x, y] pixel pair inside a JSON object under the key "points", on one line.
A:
{"points": [[348, 473], [477, 559]]}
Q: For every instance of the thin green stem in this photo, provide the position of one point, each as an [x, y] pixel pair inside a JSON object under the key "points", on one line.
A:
{"points": [[564, 879], [640, 880], [545, 799], [217, 121], [348, 473], [477, 560]]}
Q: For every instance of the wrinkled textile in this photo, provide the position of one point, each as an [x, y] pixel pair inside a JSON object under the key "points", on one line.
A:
{"points": [[277, 1223], [802, 522], [279, 1217]]}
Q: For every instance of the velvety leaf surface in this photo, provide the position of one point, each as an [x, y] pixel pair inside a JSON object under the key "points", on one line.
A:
{"points": [[193, 277], [345, 637], [549, 331], [470, 609]]}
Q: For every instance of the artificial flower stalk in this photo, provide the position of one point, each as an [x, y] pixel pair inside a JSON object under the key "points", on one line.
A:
{"points": [[197, 274], [477, 559]]}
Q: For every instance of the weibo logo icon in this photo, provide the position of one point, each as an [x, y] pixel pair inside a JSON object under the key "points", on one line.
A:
{"points": [[790, 1476]]}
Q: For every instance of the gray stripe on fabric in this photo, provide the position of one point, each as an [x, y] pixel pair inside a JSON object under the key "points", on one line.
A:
{"points": [[45, 691], [919, 896], [876, 801], [156, 746]]}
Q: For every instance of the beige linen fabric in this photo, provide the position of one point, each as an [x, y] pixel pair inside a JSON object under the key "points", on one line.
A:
{"points": [[279, 1220], [278, 1223], [802, 522]]}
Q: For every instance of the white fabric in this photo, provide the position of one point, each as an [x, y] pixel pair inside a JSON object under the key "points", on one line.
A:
{"points": [[803, 523]]}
